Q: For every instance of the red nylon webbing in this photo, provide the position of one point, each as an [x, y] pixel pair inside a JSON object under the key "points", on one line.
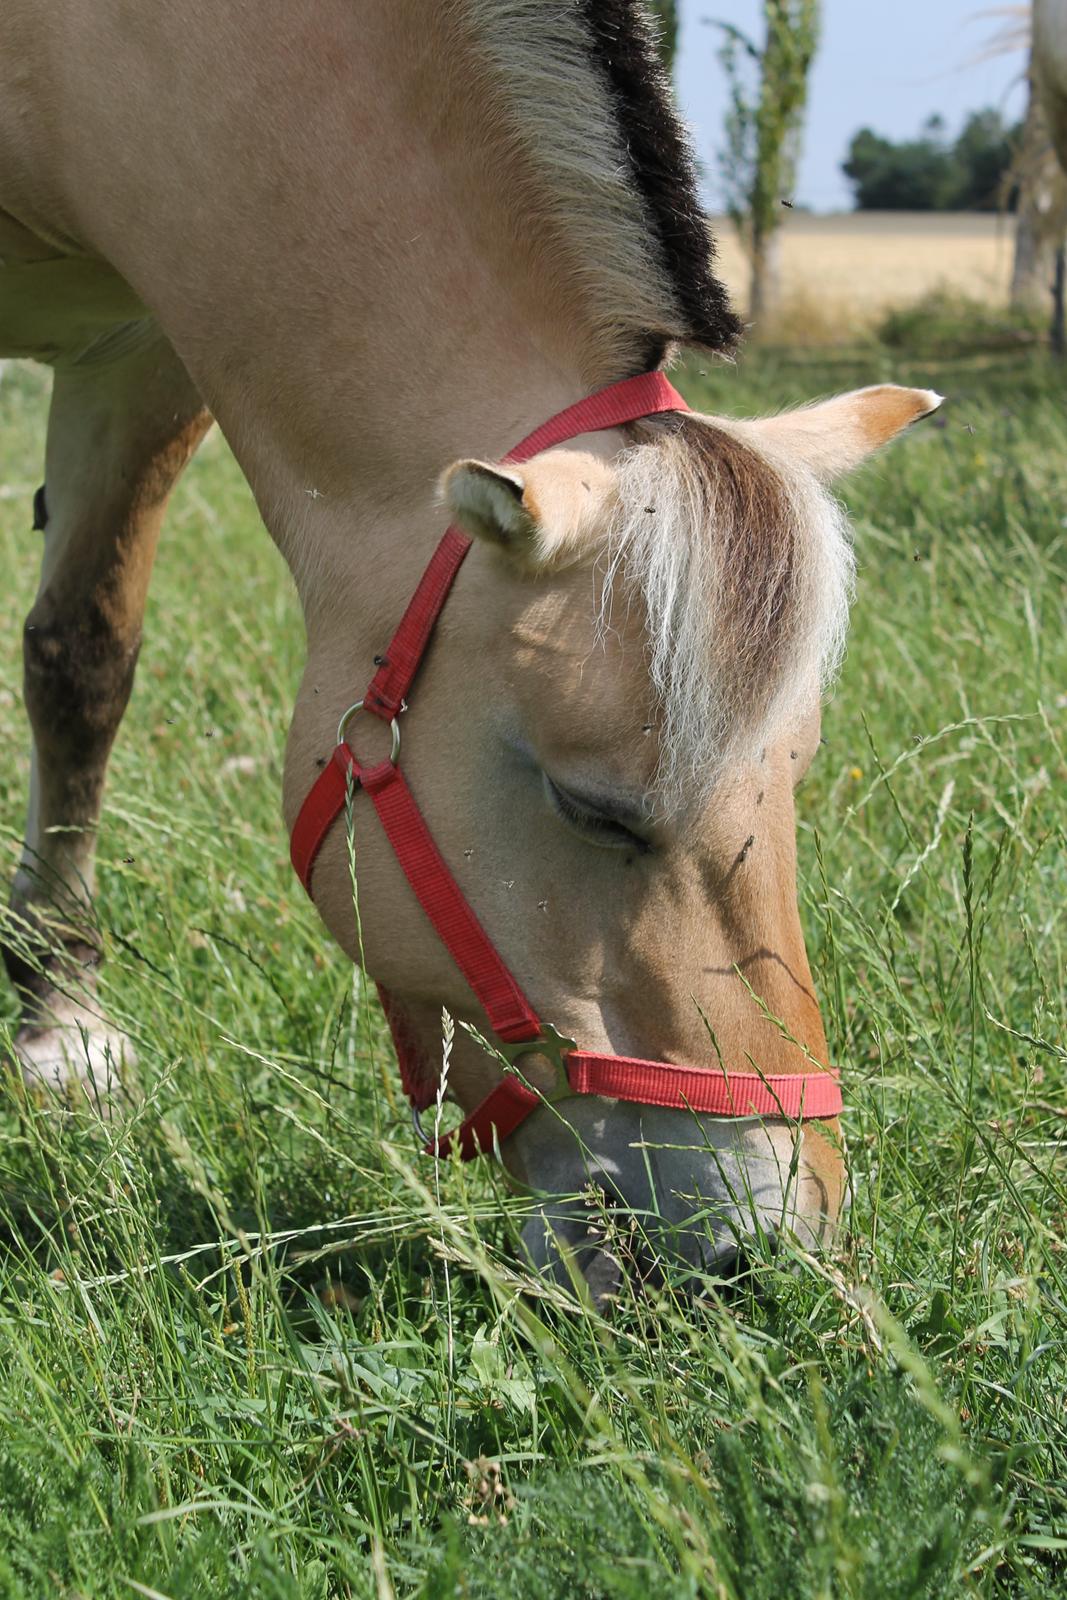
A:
{"points": [[504, 1109], [712, 1092], [390, 684], [698, 1090], [321, 809], [418, 1074], [703, 1091], [510, 1014], [628, 401]]}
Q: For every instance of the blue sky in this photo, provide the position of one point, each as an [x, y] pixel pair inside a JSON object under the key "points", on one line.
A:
{"points": [[884, 63]]}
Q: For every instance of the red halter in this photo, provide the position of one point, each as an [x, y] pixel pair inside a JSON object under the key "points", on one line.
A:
{"points": [[518, 1029]]}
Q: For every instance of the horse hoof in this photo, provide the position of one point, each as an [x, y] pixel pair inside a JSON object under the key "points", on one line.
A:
{"points": [[77, 1051]]}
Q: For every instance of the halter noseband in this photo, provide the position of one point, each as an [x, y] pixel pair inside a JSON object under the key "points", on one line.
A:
{"points": [[517, 1027]]}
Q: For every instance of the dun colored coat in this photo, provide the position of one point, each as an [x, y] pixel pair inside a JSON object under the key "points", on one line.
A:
{"points": [[380, 243]]}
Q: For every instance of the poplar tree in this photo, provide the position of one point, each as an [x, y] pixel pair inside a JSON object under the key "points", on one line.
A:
{"points": [[763, 131], [666, 14]]}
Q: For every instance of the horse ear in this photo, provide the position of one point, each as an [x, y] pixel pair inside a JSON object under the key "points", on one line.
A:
{"points": [[538, 515], [487, 502], [833, 436]]}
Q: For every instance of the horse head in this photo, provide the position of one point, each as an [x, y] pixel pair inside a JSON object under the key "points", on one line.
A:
{"points": [[622, 695]]}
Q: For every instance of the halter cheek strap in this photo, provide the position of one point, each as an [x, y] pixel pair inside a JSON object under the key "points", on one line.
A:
{"points": [[512, 1019]]}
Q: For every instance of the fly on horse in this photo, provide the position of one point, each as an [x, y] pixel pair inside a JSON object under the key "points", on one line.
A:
{"points": [[382, 245]]}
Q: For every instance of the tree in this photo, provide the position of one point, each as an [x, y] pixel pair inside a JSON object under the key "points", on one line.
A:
{"points": [[916, 175], [763, 129], [665, 13], [931, 173], [983, 153]]}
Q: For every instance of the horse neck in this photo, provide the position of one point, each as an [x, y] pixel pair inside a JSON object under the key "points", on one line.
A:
{"points": [[357, 290], [335, 233], [425, 353]]}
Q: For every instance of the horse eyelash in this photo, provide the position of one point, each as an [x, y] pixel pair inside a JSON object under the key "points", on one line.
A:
{"points": [[590, 822]]}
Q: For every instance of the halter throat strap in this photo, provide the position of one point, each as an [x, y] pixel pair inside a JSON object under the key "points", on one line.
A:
{"points": [[512, 1019]]}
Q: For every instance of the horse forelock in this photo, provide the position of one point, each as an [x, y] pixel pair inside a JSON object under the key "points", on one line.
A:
{"points": [[603, 161], [742, 567]]}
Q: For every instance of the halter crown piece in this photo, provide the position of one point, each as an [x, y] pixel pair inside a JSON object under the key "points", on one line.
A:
{"points": [[517, 1028]]}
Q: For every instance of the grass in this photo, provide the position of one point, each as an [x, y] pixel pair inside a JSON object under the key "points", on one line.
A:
{"points": [[246, 1349]]}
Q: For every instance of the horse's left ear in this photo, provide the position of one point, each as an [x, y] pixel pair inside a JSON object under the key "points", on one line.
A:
{"points": [[488, 503], [537, 514], [833, 436]]}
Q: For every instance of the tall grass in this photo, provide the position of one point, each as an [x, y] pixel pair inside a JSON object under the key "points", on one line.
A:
{"points": [[228, 1361]]}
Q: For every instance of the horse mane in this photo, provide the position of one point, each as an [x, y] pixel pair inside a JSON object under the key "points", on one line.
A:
{"points": [[742, 565], [663, 167], [602, 161]]}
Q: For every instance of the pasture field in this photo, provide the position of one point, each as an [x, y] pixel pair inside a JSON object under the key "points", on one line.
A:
{"points": [[841, 273], [250, 1345]]}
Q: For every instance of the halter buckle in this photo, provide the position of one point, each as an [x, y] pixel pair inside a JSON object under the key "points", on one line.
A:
{"points": [[394, 728], [551, 1044]]}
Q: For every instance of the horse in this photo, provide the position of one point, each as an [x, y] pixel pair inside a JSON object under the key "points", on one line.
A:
{"points": [[1049, 44], [379, 245]]}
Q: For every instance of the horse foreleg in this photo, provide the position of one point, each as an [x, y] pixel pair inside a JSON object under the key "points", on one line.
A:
{"points": [[120, 432]]}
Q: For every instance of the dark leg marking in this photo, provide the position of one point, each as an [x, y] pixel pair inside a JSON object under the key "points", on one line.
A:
{"points": [[120, 432]]}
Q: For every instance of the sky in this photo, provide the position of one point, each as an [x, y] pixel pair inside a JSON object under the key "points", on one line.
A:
{"points": [[884, 64]]}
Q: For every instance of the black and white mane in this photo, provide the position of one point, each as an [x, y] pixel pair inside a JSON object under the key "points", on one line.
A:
{"points": [[583, 105], [663, 168]]}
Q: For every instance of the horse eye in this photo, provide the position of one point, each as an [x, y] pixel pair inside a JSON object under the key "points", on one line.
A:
{"points": [[595, 826]]}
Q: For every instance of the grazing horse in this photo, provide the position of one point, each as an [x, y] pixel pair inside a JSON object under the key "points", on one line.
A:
{"points": [[1049, 21], [380, 244]]}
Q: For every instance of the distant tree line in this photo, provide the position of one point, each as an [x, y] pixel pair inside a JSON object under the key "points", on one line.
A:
{"points": [[934, 172]]}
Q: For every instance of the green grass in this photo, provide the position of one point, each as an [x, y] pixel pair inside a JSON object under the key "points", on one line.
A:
{"points": [[247, 1349]]}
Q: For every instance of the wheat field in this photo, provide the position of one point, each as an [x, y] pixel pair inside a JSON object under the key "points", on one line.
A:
{"points": [[841, 273]]}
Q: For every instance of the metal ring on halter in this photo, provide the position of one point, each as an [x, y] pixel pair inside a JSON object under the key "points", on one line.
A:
{"points": [[394, 728]]}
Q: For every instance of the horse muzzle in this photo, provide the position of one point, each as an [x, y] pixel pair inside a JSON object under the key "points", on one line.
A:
{"points": [[655, 1193]]}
